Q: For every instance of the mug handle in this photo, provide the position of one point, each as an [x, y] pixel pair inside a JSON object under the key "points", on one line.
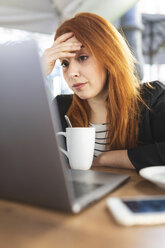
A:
{"points": [[61, 149]]}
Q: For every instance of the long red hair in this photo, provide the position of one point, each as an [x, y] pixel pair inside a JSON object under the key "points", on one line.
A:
{"points": [[124, 100]]}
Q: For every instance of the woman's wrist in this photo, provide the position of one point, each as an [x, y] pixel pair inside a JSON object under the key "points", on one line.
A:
{"points": [[116, 158]]}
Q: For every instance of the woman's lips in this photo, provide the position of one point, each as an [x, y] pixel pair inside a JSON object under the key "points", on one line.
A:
{"points": [[79, 85]]}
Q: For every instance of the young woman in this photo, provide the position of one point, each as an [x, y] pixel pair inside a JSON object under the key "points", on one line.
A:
{"points": [[98, 66]]}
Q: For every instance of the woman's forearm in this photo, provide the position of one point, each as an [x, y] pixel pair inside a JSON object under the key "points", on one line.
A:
{"points": [[116, 159]]}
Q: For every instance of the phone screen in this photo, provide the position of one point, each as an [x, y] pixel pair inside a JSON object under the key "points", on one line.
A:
{"points": [[146, 206]]}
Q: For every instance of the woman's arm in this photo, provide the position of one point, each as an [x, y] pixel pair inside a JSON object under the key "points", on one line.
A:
{"points": [[116, 158], [150, 154]]}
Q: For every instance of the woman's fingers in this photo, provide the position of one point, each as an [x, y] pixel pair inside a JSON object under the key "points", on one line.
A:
{"points": [[61, 54], [63, 37], [66, 54], [52, 57], [64, 46], [63, 41], [61, 49]]}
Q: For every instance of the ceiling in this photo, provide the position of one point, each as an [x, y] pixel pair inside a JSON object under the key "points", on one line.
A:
{"points": [[44, 16]]}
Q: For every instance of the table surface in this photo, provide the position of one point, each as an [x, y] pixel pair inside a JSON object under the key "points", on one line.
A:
{"points": [[23, 226]]}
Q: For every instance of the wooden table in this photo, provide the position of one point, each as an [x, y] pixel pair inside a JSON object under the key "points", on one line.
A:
{"points": [[23, 226]]}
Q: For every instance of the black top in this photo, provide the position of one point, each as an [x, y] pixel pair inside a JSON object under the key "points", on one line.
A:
{"points": [[151, 148]]}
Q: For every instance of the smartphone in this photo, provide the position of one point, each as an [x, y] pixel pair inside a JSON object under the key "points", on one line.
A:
{"points": [[138, 211]]}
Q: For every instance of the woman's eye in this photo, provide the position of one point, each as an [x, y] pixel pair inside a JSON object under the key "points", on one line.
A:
{"points": [[64, 63], [82, 58]]}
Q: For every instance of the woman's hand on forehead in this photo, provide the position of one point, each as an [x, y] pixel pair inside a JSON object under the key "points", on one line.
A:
{"points": [[66, 38], [64, 46], [73, 39]]}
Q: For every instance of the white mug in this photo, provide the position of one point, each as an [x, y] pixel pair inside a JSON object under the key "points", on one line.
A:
{"points": [[80, 143]]}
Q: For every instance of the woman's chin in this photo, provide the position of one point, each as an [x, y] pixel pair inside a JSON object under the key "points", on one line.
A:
{"points": [[83, 96]]}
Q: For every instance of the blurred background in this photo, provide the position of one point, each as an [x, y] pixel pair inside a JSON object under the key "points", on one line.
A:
{"points": [[142, 22]]}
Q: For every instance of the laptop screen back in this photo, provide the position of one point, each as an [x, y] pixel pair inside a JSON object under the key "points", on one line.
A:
{"points": [[31, 169]]}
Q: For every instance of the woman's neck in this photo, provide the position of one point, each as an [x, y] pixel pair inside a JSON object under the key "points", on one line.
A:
{"points": [[98, 113]]}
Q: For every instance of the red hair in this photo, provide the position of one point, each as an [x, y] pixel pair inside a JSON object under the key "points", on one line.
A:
{"points": [[123, 103]]}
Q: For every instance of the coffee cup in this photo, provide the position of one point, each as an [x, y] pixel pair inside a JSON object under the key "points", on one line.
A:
{"points": [[80, 143]]}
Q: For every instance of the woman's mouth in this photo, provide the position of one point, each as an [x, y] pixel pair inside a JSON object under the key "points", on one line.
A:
{"points": [[78, 86]]}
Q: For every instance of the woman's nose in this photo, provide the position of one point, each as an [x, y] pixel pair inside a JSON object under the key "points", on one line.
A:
{"points": [[73, 69]]}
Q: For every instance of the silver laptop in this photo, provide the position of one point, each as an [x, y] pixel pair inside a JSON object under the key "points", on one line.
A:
{"points": [[32, 169]]}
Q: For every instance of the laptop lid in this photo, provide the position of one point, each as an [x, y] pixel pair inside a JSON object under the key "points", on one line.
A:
{"points": [[31, 167]]}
